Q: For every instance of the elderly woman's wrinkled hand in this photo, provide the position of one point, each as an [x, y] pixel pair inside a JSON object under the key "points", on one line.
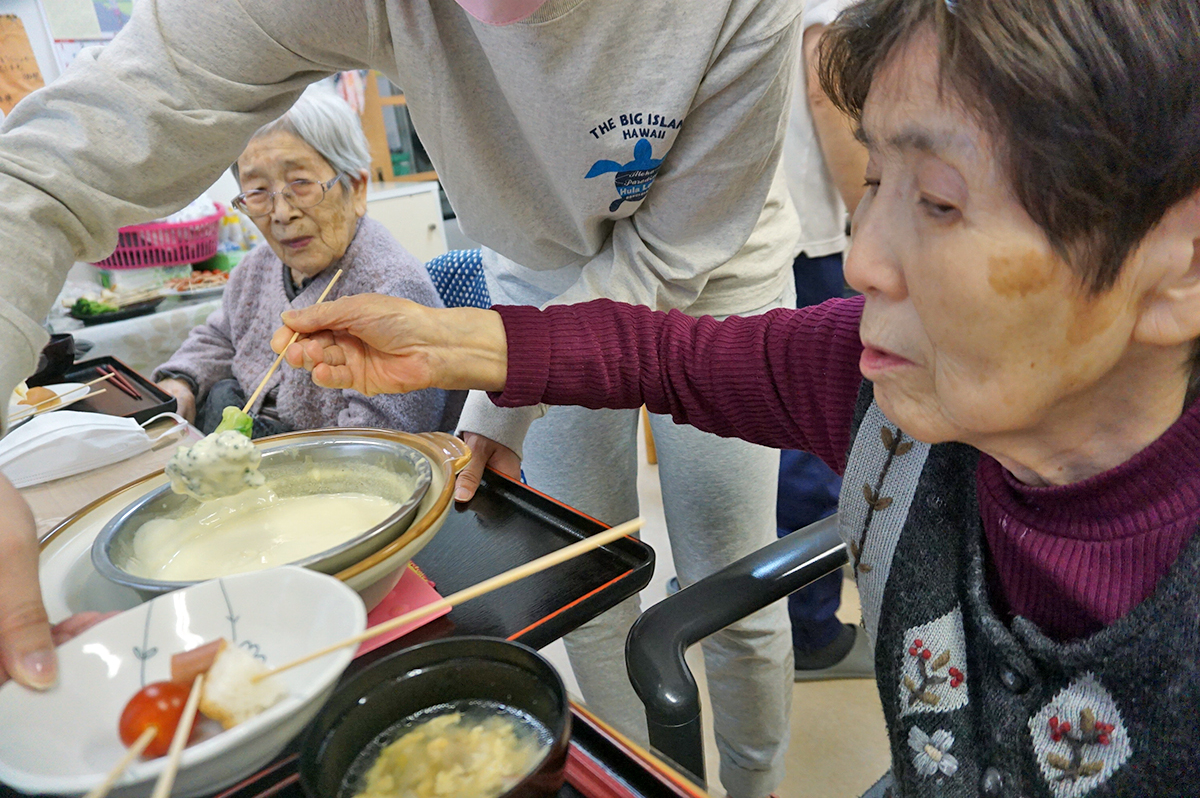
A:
{"points": [[377, 344]]}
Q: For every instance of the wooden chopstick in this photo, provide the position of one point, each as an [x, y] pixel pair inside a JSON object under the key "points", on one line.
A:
{"points": [[166, 779], [133, 753], [37, 408], [278, 360], [48, 408], [486, 586], [120, 380]]}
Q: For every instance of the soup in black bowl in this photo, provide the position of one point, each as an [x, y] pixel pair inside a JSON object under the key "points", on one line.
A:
{"points": [[470, 716]]}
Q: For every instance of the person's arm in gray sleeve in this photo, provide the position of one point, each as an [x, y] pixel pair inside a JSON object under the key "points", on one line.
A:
{"points": [[129, 133], [138, 128]]}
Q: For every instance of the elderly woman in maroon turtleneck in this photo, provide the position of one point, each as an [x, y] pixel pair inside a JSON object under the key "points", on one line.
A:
{"points": [[1011, 399]]}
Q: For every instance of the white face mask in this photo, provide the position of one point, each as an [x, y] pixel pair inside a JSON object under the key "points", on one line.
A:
{"points": [[65, 443]]}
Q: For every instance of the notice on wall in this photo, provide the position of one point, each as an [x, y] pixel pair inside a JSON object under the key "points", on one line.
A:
{"points": [[19, 73], [72, 19]]}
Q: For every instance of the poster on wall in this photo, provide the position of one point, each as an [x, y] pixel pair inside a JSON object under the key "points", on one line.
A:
{"points": [[72, 19], [112, 14], [78, 24], [19, 73]]}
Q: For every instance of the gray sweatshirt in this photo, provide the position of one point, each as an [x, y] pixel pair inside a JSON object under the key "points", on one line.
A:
{"points": [[235, 341], [547, 136]]}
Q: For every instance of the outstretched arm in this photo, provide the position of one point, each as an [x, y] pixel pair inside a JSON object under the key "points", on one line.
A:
{"points": [[786, 379]]}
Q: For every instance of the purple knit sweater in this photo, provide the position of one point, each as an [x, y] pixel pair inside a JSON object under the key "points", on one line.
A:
{"points": [[236, 339], [1072, 559]]}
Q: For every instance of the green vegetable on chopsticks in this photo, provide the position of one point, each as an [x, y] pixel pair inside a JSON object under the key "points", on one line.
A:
{"points": [[232, 418]]}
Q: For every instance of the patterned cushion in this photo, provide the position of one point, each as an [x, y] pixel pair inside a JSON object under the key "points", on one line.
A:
{"points": [[458, 277]]}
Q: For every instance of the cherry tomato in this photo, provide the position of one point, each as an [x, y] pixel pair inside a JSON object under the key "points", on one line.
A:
{"points": [[160, 705]]}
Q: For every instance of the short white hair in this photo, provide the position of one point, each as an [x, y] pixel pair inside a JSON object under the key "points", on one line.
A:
{"points": [[329, 125]]}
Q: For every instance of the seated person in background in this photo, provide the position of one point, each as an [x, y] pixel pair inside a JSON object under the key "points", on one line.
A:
{"points": [[304, 183], [1012, 400]]}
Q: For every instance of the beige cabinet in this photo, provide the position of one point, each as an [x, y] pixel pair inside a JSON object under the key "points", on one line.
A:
{"points": [[412, 213]]}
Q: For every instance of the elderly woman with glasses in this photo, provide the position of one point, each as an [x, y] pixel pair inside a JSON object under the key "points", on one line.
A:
{"points": [[304, 184]]}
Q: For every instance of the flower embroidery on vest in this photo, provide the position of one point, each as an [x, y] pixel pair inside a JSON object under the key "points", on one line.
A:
{"points": [[893, 441], [929, 752], [933, 671], [1079, 738]]}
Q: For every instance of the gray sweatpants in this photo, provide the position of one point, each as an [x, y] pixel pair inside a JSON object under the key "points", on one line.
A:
{"points": [[719, 498]]}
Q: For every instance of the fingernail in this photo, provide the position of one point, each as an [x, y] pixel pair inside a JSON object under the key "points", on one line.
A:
{"points": [[38, 668], [461, 495], [287, 314]]}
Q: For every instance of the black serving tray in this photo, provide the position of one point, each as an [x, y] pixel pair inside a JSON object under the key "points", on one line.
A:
{"points": [[128, 312], [114, 401], [504, 525]]}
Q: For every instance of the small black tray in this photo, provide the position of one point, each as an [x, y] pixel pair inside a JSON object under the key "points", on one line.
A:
{"points": [[127, 312], [114, 401]]}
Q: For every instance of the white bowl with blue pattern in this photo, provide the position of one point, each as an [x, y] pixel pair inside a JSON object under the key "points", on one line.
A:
{"points": [[64, 741]]}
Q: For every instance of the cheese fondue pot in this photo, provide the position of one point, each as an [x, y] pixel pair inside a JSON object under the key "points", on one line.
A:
{"points": [[301, 465]]}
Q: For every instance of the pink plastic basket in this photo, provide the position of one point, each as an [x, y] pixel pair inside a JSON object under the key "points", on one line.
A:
{"points": [[165, 243]]}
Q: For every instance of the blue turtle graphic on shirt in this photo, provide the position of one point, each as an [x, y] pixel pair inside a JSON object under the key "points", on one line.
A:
{"points": [[633, 179]]}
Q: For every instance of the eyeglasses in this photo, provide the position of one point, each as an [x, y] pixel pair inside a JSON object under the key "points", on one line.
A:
{"points": [[298, 193]]}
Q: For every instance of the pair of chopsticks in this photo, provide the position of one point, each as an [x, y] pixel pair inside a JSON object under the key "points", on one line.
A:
{"points": [[46, 404], [166, 779], [120, 380], [488, 585]]}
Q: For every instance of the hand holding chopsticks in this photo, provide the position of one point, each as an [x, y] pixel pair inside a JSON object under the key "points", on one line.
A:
{"points": [[486, 586]]}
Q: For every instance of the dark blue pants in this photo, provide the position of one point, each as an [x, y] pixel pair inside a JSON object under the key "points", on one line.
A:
{"points": [[808, 489]]}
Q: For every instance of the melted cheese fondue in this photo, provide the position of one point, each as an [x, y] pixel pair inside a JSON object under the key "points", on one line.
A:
{"points": [[251, 531]]}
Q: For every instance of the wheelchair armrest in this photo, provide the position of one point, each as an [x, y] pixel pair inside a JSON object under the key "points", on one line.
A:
{"points": [[656, 644]]}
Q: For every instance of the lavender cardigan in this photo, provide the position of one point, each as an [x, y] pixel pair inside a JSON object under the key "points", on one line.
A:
{"points": [[235, 341]]}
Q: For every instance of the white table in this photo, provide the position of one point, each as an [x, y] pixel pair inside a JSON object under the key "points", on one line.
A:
{"points": [[143, 342]]}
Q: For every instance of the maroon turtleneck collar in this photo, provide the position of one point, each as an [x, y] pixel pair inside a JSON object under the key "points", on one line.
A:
{"points": [[1075, 558]]}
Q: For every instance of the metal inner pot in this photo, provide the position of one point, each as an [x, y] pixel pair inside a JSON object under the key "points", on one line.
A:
{"points": [[336, 464]]}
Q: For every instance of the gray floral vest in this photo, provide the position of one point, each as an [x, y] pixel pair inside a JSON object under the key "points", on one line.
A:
{"points": [[975, 707]]}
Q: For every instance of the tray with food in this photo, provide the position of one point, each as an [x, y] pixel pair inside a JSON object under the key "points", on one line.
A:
{"points": [[126, 393], [507, 524], [28, 402], [115, 306], [199, 284]]}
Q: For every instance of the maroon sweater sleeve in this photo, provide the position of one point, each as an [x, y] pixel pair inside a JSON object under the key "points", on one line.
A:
{"points": [[786, 379]]}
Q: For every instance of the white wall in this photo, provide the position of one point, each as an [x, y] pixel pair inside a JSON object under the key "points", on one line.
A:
{"points": [[30, 12]]}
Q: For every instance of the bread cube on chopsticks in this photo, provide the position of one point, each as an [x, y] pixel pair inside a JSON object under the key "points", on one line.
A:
{"points": [[231, 693]]}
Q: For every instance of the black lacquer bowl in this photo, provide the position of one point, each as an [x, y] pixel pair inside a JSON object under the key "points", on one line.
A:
{"points": [[54, 360], [429, 675]]}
